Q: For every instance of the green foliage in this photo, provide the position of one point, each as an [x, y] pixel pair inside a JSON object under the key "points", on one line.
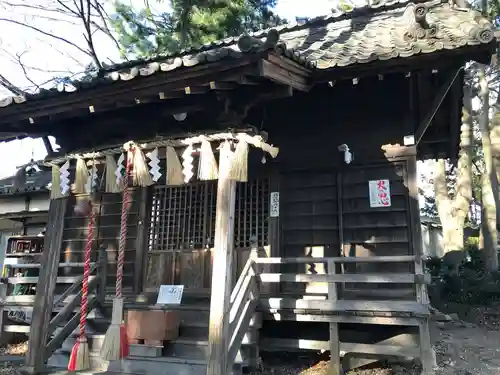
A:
{"points": [[187, 23], [471, 286]]}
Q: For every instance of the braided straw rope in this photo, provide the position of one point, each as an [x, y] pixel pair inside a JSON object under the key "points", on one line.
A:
{"points": [[123, 225], [255, 140], [86, 274]]}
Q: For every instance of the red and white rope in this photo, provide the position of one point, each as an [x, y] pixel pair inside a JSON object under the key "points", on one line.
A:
{"points": [[123, 225], [86, 273]]}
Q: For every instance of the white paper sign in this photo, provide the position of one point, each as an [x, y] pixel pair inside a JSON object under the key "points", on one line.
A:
{"points": [[170, 294], [274, 204], [380, 193]]}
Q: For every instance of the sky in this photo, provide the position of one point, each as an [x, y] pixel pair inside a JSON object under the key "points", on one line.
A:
{"points": [[45, 58]]}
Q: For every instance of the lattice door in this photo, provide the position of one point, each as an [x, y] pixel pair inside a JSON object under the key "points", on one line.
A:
{"points": [[182, 230]]}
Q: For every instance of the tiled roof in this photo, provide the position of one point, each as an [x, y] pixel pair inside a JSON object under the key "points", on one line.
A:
{"points": [[36, 181], [384, 30]]}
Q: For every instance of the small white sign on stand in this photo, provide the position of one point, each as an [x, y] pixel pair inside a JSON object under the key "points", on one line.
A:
{"points": [[170, 294], [275, 204], [380, 193]]}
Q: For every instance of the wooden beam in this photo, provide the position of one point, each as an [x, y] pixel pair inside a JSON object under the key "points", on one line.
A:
{"points": [[380, 348], [221, 85], [288, 64], [44, 298], [345, 305], [192, 90], [385, 278], [247, 81], [436, 104], [439, 60], [282, 76], [136, 88], [218, 339]]}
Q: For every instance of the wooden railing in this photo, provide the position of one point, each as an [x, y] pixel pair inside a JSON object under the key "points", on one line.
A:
{"points": [[67, 303], [243, 304], [335, 309]]}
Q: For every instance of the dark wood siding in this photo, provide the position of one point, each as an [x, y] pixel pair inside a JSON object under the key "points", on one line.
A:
{"points": [[317, 187]]}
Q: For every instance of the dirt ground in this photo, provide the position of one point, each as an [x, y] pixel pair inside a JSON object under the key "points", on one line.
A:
{"points": [[466, 346]]}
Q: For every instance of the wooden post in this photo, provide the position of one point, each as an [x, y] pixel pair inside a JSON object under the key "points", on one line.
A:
{"points": [[218, 339], [102, 274], [3, 295], [335, 365], [427, 354], [42, 310], [274, 229], [141, 247]]}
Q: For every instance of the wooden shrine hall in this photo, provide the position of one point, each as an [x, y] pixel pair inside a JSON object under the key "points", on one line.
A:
{"points": [[271, 178]]}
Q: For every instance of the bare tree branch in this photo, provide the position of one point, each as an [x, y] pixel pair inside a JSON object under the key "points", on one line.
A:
{"points": [[10, 86], [46, 33]]}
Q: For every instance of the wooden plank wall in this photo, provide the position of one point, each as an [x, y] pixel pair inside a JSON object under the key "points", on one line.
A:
{"points": [[371, 231], [309, 220]]}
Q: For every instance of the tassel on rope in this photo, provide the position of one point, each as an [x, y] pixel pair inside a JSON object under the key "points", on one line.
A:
{"points": [[80, 356], [207, 168], [140, 174], [239, 166], [113, 184], [81, 177], [115, 344], [55, 189], [174, 168]]}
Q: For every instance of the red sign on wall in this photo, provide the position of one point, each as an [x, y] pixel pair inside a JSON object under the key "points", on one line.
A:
{"points": [[380, 193]]}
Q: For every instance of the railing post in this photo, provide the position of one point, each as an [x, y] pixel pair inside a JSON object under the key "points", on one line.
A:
{"points": [[102, 274], [335, 365], [44, 299], [3, 295]]}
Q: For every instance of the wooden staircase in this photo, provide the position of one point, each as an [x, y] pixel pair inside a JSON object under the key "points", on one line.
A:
{"points": [[65, 316]]}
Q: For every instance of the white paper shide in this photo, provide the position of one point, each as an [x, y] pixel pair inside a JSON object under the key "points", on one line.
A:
{"points": [[380, 193]]}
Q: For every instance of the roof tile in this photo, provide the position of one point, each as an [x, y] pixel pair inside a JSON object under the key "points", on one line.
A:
{"points": [[385, 30]]}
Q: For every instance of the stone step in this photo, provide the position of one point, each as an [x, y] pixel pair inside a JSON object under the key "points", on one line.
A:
{"points": [[187, 349], [163, 366], [94, 340], [194, 329], [60, 360]]}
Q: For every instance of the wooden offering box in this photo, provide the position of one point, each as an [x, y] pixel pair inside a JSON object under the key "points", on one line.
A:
{"points": [[153, 327]]}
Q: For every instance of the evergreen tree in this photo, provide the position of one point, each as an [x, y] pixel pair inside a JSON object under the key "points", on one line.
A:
{"points": [[187, 23]]}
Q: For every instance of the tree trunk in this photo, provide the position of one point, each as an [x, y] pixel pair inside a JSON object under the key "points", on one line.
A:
{"points": [[453, 213], [489, 182]]}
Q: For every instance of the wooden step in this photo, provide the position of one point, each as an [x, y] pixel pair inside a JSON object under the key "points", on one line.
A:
{"points": [[342, 306]]}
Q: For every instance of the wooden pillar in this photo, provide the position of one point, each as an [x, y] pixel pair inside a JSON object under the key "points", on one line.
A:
{"points": [[335, 364], [44, 299], [218, 339], [141, 246]]}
